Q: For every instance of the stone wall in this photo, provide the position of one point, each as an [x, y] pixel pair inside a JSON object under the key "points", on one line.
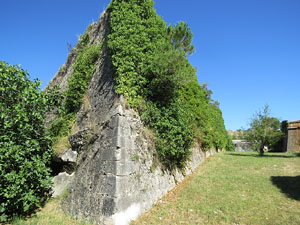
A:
{"points": [[118, 175], [293, 140], [242, 146]]}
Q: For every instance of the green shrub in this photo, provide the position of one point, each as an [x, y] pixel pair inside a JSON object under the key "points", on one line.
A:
{"points": [[149, 69], [135, 32], [61, 126], [205, 117], [154, 75], [25, 149], [83, 70], [173, 131], [82, 74]]}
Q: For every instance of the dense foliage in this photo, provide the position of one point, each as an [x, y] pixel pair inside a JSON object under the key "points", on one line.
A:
{"points": [[82, 73], [264, 131], [25, 149], [206, 117], [153, 73]]}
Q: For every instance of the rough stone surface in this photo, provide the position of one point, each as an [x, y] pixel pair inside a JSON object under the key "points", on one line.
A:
{"points": [[69, 156], [61, 182], [293, 140], [242, 146], [118, 176], [81, 140]]}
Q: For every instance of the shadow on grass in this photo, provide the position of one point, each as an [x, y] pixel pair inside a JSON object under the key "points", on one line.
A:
{"points": [[288, 185], [276, 155]]}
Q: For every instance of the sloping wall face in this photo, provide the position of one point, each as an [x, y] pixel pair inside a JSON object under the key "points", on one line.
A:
{"points": [[98, 32], [118, 175], [293, 142]]}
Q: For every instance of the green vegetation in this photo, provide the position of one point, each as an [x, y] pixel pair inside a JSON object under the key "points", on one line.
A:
{"points": [[50, 214], [83, 69], [206, 117], [25, 149], [264, 131], [82, 73], [234, 188], [61, 126], [24, 141], [156, 78]]}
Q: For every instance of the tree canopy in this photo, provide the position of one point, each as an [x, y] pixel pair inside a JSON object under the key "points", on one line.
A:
{"points": [[25, 149], [264, 131], [181, 37], [150, 60]]}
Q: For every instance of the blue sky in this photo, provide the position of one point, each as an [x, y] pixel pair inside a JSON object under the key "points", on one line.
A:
{"points": [[248, 51]]}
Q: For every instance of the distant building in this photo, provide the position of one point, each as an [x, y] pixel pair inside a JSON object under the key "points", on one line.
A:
{"points": [[242, 146], [293, 137]]}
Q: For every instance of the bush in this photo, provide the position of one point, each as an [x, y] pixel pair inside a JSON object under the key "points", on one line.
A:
{"points": [[61, 126], [173, 132], [81, 76], [25, 150], [83, 70], [151, 66]]}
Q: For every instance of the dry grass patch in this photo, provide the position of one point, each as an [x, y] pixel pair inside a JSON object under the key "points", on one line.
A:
{"points": [[61, 145]]}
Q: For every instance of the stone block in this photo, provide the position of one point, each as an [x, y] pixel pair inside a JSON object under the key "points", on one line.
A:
{"points": [[108, 207], [61, 182], [107, 186], [125, 202], [118, 141], [123, 131], [123, 122], [130, 142], [124, 168], [118, 131], [69, 156], [124, 186], [119, 111], [114, 122], [105, 167], [109, 154]]}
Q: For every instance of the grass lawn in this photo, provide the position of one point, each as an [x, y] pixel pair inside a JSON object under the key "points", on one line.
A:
{"points": [[229, 188], [51, 214], [234, 188]]}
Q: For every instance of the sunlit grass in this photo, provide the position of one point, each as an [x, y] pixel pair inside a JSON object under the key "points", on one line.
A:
{"points": [[229, 188], [234, 188], [61, 145], [50, 214]]}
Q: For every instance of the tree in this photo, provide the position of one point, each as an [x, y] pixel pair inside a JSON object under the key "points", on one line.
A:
{"points": [[181, 37], [25, 149], [264, 131]]}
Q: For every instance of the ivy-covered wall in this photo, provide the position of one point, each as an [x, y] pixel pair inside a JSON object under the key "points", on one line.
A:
{"points": [[152, 70], [83, 69]]}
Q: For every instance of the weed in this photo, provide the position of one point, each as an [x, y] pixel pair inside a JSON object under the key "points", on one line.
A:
{"points": [[61, 145], [138, 176], [135, 157]]}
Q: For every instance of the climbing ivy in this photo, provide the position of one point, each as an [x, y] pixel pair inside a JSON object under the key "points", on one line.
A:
{"points": [[83, 69], [135, 32], [153, 73], [82, 73]]}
